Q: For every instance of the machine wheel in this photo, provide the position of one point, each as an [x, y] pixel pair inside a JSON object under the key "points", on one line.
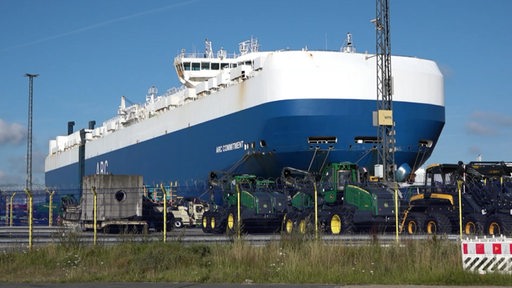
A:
{"points": [[347, 221], [170, 221], [334, 223], [437, 223], [303, 225], [289, 223], [414, 223], [231, 223], [471, 226], [205, 222], [178, 223], [217, 222], [499, 225]]}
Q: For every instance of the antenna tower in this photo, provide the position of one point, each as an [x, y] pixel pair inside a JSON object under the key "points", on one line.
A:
{"points": [[385, 122]]}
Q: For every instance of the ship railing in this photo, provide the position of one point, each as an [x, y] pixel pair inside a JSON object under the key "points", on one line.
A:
{"points": [[202, 55]]}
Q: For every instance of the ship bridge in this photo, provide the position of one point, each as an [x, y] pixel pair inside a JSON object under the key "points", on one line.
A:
{"points": [[195, 68]]}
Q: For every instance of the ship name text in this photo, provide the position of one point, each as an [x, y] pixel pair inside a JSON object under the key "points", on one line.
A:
{"points": [[229, 147], [101, 167]]}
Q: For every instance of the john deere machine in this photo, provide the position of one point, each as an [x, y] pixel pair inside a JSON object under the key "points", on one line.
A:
{"points": [[347, 200], [247, 204], [485, 190]]}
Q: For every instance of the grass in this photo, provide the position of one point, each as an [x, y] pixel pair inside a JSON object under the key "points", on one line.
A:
{"points": [[291, 260]]}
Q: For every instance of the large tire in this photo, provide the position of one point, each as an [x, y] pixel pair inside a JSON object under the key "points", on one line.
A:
{"points": [[170, 221], [499, 225], [304, 223], [471, 226], [178, 223], [347, 221], [437, 224], [232, 223], [335, 223], [205, 222], [289, 223], [414, 223], [218, 223]]}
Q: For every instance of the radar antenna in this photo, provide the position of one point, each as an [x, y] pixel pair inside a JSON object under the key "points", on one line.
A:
{"points": [[152, 92], [208, 51], [348, 46]]}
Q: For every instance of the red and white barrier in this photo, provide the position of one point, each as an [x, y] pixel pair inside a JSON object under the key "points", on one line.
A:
{"points": [[487, 255]]}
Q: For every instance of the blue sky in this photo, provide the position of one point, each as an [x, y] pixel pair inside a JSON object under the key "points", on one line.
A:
{"points": [[90, 53]]}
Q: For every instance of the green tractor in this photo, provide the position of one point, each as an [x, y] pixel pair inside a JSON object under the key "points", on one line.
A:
{"points": [[346, 200], [248, 204]]}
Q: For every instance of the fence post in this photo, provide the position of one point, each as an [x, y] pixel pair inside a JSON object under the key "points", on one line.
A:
{"points": [[95, 214], [50, 208], [397, 234], [165, 211], [10, 215], [238, 211], [6, 210], [30, 215], [316, 209]]}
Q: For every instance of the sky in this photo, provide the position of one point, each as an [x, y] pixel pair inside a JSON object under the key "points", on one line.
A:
{"points": [[90, 53]]}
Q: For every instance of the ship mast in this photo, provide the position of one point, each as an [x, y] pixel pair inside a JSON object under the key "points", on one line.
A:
{"points": [[385, 123]]}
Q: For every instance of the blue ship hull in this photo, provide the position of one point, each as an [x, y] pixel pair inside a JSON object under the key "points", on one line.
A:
{"points": [[264, 139]]}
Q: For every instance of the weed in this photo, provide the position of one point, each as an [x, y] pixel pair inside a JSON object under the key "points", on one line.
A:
{"points": [[292, 260]]}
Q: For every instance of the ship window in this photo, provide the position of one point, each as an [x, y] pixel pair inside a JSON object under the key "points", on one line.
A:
{"points": [[366, 139], [322, 139], [215, 66], [205, 66], [224, 65], [186, 66], [195, 66]]}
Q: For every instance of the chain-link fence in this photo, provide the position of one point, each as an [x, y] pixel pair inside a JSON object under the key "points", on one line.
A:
{"points": [[46, 206]]}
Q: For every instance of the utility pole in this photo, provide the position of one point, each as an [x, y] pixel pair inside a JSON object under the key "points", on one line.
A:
{"points": [[385, 122], [29, 134]]}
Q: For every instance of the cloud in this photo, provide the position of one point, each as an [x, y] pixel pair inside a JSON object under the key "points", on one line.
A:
{"points": [[14, 174], [475, 150], [493, 118], [480, 129], [483, 123], [12, 133], [9, 180]]}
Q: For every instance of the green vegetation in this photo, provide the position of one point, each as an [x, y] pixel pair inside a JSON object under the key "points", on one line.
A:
{"points": [[292, 260]]}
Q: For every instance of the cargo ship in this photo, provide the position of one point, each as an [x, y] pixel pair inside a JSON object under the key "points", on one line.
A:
{"points": [[256, 112]]}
